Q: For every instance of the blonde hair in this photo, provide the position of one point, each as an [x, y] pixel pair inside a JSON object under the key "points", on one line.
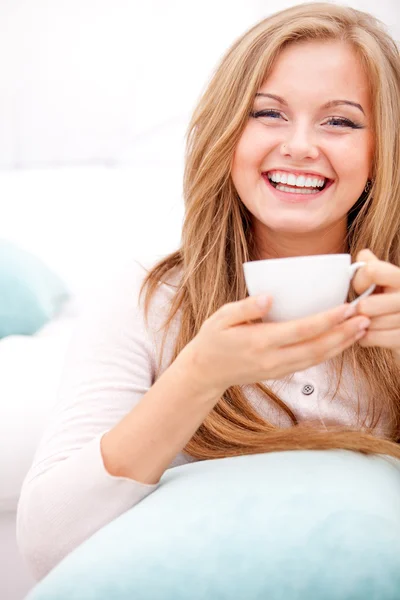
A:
{"points": [[217, 236]]}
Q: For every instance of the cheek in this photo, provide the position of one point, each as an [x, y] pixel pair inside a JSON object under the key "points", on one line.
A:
{"points": [[353, 159], [251, 149]]}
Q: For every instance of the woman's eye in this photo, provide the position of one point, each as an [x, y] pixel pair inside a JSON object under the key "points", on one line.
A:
{"points": [[341, 122], [265, 113]]}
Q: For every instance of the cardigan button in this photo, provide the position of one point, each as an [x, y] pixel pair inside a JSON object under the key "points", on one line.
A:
{"points": [[307, 389]]}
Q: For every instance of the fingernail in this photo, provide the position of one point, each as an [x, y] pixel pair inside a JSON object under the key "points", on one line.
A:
{"points": [[350, 312], [262, 301]]}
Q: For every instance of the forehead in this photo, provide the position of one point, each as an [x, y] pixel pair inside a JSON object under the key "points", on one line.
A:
{"points": [[322, 70]]}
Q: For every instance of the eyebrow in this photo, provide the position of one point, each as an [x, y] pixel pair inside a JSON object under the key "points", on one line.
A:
{"points": [[329, 104]]}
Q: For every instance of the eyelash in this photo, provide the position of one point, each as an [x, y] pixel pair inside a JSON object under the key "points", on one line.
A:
{"points": [[345, 122]]}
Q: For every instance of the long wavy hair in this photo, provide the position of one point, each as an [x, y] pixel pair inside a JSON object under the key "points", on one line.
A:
{"points": [[217, 234]]}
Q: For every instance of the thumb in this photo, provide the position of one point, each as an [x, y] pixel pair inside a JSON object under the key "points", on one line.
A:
{"points": [[252, 307], [262, 302], [366, 255]]}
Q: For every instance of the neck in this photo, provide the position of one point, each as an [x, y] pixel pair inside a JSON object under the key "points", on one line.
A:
{"points": [[275, 244]]}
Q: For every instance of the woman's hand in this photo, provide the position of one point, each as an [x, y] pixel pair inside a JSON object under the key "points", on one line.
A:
{"points": [[383, 306], [230, 349]]}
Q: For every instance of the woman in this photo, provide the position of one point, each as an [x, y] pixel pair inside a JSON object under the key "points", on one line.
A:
{"points": [[308, 98]]}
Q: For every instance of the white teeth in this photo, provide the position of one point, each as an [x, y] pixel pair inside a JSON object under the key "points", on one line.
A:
{"points": [[298, 181], [284, 188]]}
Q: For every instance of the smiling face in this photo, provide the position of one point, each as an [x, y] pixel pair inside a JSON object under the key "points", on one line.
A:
{"points": [[298, 139]]}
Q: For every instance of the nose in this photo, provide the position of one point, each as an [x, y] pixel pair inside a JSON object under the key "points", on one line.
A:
{"points": [[300, 145]]}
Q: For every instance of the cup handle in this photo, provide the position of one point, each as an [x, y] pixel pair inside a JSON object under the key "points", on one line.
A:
{"points": [[353, 269]]}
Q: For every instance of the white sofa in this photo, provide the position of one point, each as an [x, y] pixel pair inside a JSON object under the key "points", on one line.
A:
{"points": [[114, 216], [30, 369]]}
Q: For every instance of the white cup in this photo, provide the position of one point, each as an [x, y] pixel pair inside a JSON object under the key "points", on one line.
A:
{"points": [[302, 285]]}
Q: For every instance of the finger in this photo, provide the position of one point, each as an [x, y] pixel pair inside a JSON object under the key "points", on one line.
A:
{"points": [[385, 322], [300, 330], [306, 364], [379, 304], [379, 272], [315, 352], [384, 339]]}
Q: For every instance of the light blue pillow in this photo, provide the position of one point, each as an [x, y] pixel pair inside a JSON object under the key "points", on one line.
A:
{"points": [[306, 525], [30, 293]]}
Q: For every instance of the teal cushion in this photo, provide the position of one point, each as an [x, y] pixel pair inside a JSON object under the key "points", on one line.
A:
{"points": [[277, 526], [30, 293]]}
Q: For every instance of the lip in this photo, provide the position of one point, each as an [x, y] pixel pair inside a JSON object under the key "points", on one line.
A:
{"points": [[298, 173], [296, 198]]}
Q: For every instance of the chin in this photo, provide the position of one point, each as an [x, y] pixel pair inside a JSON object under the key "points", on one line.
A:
{"points": [[295, 226]]}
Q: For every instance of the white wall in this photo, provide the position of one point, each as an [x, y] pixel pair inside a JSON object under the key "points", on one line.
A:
{"points": [[103, 89], [84, 80]]}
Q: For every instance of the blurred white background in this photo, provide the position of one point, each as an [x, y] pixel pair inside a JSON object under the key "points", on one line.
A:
{"points": [[95, 98]]}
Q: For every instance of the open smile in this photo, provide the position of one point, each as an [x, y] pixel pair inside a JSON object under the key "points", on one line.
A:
{"points": [[295, 195]]}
